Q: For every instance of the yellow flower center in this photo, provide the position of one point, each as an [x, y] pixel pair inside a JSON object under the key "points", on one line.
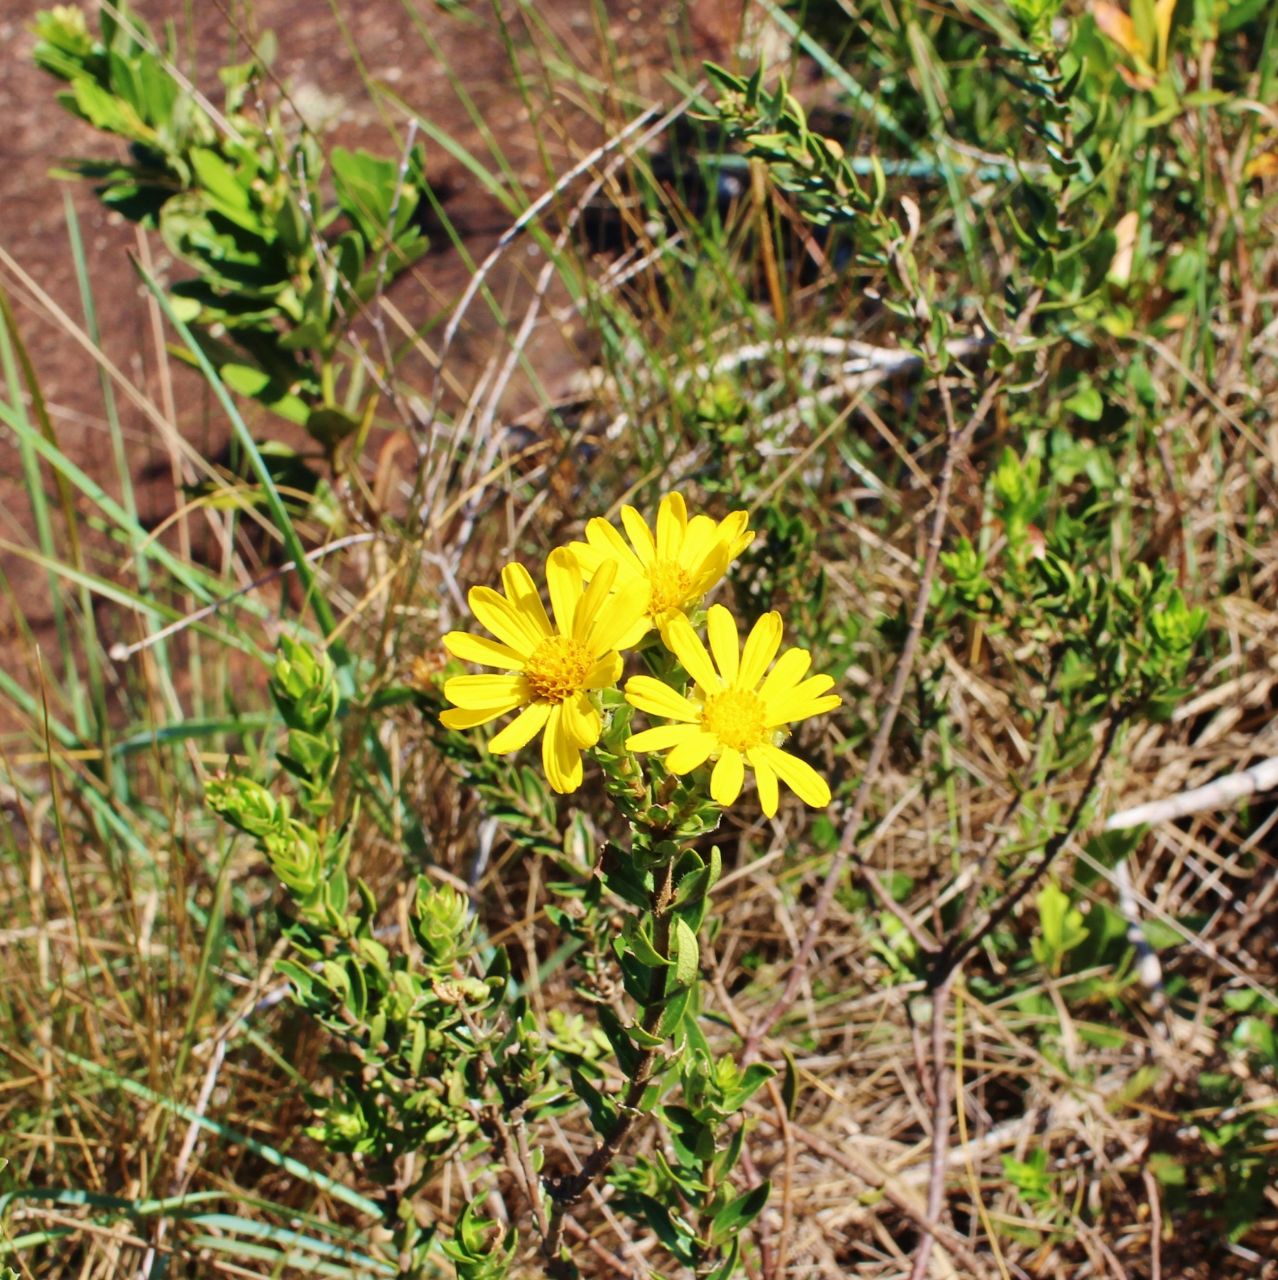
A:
{"points": [[558, 668], [668, 586], [735, 717]]}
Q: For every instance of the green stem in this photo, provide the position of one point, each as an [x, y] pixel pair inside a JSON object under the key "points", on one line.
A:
{"points": [[565, 1192]]}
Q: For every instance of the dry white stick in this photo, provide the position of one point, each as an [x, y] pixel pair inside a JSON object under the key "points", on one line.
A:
{"points": [[1215, 795], [1148, 967]]}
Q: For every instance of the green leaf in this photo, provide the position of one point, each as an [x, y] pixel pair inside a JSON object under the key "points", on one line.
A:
{"points": [[790, 1084], [638, 941], [369, 189], [642, 1038], [727, 1268], [753, 1078], [223, 186], [105, 111], [672, 1014], [628, 1057], [1239, 13], [686, 953], [739, 1213], [1256, 1036], [1167, 1169], [256, 384], [1062, 927], [1086, 402], [673, 1232], [603, 1111]]}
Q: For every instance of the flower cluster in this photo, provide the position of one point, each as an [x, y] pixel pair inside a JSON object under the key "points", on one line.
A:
{"points": [[607, 595]]}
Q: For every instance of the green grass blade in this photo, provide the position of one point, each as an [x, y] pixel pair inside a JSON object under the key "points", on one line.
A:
{"points": [[275, 504]]}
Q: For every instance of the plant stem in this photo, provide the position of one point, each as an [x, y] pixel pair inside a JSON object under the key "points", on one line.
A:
{"points": [[567, 1191]]}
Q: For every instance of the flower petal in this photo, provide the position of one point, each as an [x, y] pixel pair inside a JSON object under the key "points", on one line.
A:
{"points": [[640, 535], [735, 532], [563, 581], [662, 738], [706, 554], [659, 699], [691, 751], [511, 626], [580, 720], [588, 556], [687, 647], [466, 718], [606, 671], [798, 775], [725, 643], [592, 599], [712, 566], [700, 540], [791, 710], [630, 639], [672, 523], [814, 686], [808, 698], [559, 757], [522, 729], [487, 692], [790, 669], [728, 775], [766, 778], [760, 648], [488, 653], [618, 616], [522, 593], [606, 543]]}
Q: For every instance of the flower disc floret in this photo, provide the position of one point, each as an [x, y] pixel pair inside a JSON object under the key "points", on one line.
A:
{"points": [[739, 709], [677, 563], [670, 587], [558, 667], [548, 672], [736, 717]]}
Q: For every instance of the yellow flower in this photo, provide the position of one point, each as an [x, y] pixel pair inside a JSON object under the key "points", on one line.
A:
{"points": [[677, 566], [737, 713], [550, 671]]}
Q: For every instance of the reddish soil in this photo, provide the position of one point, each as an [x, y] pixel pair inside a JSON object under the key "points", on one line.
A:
{"points": [[319, 67]]}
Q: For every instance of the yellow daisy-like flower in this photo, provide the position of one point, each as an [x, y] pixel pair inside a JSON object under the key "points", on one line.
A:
{"points": [[738, 711], [550, 671], [676, 566]]}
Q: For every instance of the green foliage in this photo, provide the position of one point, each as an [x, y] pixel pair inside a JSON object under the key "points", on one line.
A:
{"points": [[705, 1149], [281, 271], [1061, 929], [1094, 643], [1224, 1167], [480, 1250], [811, 167]]}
